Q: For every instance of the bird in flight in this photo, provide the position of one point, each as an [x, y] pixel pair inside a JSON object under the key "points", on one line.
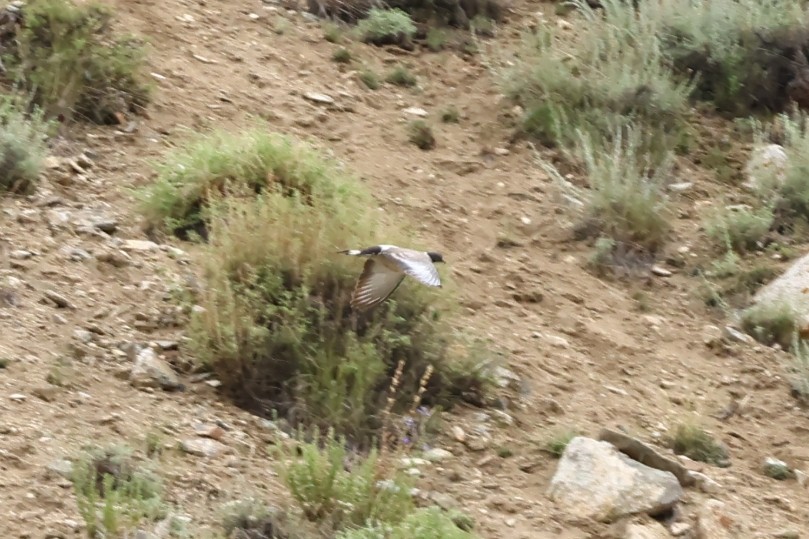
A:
{"points": [[386, 268]]}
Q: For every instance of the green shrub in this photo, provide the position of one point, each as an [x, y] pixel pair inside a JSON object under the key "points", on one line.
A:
{"points": [[326, 491], [342, 56], [740, 228], [421, 135], [771, 323], [369, 79], [612, 73], [741, 50], [65, 55], [114, 492], [22, 145], [401, 76], [626, 203], [427, 523], [695, 443], [276, 325], [386, 27]]}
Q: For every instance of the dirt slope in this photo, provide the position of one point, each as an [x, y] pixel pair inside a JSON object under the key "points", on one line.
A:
{"points": [[589, 356]]}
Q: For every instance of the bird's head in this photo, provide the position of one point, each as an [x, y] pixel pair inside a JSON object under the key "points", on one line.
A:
{"points": [[436, 257]]}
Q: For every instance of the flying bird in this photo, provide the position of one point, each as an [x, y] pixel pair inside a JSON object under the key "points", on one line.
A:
{"points": [[386, 268]]}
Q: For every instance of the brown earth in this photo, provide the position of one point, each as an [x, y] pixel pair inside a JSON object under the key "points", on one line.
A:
{"points": [[590, 353]]}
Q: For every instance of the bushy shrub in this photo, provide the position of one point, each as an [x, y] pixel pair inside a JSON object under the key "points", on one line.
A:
{"points": [[22, 145], [276, 326], [386, 27], [65, 54]]}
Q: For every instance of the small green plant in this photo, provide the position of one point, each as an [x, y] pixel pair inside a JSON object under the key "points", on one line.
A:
{"points": [[114, 493], [332, 32], [695, 443], [401, 76], [482, 25], [626, 203], [386, 27], [4, 362], [800, 370], [557, 443], [742, 228], [421, 135], [436, 39], [342, 56], [771, 322], [326, 491], [369, 79], [427, 523], [22, 145], [450, 115], [65, 55]]}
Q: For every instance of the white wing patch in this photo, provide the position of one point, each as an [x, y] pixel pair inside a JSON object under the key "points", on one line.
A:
{"points": [[375, 284], [416, 264]]}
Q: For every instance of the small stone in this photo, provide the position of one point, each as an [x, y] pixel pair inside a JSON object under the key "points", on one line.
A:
{"points": [[61, 467], [416, 111], [140, 245], [215, 432], [151, 371], [680, 187], [787, 534], [106, 225], [203, 447], [17, 397], [317, 97], [679, 528], [661, 271], [21, 254], [733, 334], [705, 483], [47, 393], [437, 454], [802, 478], [59, 300], [502, 151], [458, 434], [83, 335], [777, 469]]}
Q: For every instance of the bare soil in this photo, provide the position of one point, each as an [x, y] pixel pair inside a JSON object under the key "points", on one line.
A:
{"points": [[589, 353]]}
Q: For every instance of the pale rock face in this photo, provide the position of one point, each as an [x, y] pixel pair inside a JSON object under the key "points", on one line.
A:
{"points": [[791, 288], [767, 166], [595, 480]]}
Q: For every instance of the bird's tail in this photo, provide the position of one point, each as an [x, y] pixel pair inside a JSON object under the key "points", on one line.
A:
{"points": [[351, 252]]}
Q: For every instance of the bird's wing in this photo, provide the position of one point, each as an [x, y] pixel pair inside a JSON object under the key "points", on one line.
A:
{"points": [[375, 284], [416, 264]]}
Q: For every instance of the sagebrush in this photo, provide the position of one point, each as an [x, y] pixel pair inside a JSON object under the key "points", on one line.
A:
{"points": [[276, 325], [67, 56]]}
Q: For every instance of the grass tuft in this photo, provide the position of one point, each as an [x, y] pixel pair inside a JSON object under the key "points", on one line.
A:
{"points": [[421, 135], [23, 146], [401, 76], [625, 207], [114, 492], [387, 27], [695, 443], [771, 323], [65, 54]]}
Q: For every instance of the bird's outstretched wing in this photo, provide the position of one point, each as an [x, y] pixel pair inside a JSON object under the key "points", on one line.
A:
{"points": [[415, 264], [374, 285]]}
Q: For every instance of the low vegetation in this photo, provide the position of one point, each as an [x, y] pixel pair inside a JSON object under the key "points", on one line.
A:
{"points": [[386, 27], [276, 326], [66, 56], [420, 134], [557, 443], [771, 323], [624, 208], [694, 442], [358, 496], [23, 145], [116, 493]]}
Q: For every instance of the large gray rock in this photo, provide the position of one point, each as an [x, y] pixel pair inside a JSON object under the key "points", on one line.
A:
{"points": [[595, 480], [766, 167], [792, 288]]}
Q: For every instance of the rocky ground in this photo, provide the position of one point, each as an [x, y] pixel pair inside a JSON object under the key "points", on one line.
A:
{"points": [[84, 290]]}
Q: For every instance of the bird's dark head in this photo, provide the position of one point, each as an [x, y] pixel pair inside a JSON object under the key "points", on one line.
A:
{"points": [[436, 257]]}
